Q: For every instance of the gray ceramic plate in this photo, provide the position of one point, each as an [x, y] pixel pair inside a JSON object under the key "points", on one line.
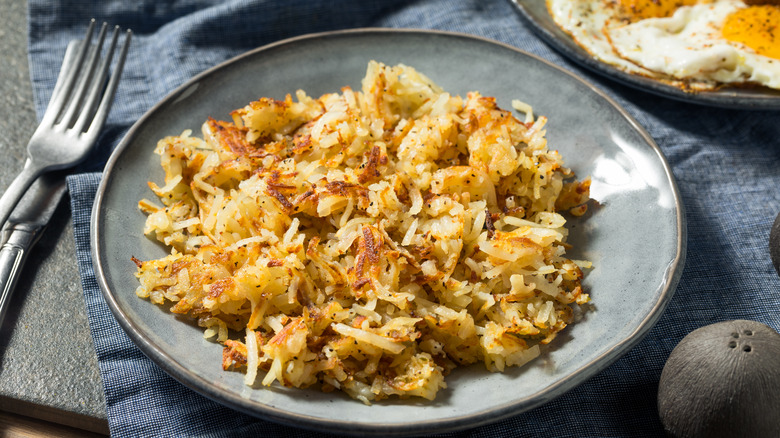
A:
{"points": [[536, 14], [633, 279]]}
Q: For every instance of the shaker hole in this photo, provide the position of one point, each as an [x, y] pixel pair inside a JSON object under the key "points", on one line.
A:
{"points": [[747, 349], [733, 344]]}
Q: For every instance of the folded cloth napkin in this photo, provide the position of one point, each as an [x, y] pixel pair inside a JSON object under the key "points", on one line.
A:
{"points": [[725, 162]]}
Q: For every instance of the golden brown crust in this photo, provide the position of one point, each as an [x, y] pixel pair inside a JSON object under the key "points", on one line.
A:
{"points": [[762, 2]]}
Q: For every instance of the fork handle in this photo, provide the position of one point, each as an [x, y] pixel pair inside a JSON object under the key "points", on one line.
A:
{"points": [[16, 190], [12, 256]]}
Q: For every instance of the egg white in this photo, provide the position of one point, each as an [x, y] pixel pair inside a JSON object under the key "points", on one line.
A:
{"points": [[686, 49], [585, 21], [689, 46]]}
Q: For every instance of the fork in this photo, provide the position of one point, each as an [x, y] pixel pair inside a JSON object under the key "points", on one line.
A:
{"points": [[76, 113]]}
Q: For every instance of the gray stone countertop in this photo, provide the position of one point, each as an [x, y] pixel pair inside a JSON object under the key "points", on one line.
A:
{"points": [[48, 367]]}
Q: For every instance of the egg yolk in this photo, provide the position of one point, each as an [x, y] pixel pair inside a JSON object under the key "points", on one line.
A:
{"points": [[641, 9], [757, 27]]}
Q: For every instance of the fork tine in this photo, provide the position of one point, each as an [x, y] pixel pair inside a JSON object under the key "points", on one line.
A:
{"points": [[68, 64], [98, 84], [58, 100], [108, 96], [77, 100]]}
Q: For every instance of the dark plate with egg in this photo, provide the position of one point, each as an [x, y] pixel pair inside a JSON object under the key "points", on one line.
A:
{"points": [[535, 12]]}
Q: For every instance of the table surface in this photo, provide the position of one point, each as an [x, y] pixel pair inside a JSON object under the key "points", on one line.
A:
{"points": [[48, 366]]}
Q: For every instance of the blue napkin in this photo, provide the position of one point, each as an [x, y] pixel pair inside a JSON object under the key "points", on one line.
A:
{"points": [[726, 163]]}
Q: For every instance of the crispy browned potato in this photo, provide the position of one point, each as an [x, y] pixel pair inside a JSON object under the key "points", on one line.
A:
{"points": [[763, 2]]}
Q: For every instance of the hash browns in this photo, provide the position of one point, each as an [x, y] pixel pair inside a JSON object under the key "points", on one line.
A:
{"points": [[367, 241]]}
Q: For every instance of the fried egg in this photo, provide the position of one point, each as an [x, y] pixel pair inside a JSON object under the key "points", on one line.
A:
{"points": [[695, 45]]}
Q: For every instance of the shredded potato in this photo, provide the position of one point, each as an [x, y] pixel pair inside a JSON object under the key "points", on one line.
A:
{"points": [[367, 241]]}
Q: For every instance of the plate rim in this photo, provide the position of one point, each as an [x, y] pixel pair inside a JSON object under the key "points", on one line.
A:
{"points": [[572, 51], [231, 399]]}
